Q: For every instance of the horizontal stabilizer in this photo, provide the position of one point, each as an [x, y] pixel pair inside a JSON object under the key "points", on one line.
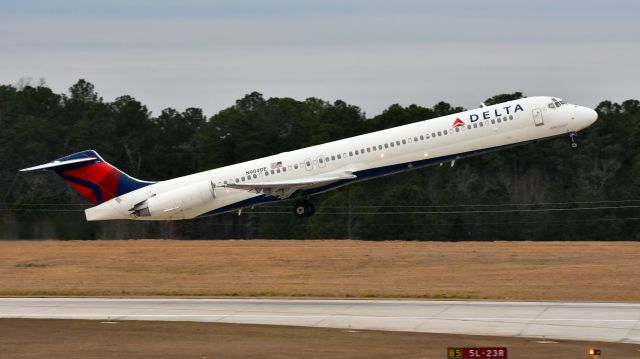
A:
{"points": [[58, 164]]}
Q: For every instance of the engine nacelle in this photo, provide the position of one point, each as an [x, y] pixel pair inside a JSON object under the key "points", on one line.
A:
{"points": [[176, 202]]}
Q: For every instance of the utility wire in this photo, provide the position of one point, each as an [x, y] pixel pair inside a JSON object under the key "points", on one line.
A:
{"points": [[513, 210], [379, 206]]}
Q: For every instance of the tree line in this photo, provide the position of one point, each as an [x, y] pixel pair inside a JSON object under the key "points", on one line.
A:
{"points": [[544, 191]]}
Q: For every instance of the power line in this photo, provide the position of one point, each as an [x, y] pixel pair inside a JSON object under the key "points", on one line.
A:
{"points": [[377, 206], [492, 205], [514, 210]]}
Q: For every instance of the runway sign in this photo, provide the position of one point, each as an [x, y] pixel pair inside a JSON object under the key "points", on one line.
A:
{"points": [[477, 353]]}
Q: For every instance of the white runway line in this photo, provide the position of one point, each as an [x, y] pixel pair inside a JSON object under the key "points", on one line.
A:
{"points": [[614, 322]]}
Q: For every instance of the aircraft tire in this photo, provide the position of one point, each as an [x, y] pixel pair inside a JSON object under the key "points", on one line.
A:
{"points": [[300, 209], [311, 209], [303, 209]]}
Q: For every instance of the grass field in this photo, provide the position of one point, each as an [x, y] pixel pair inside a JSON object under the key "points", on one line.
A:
{"points": [[22, 338], [582, 271]]}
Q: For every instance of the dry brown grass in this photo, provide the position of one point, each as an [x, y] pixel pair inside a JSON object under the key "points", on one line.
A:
{"points": [[584, 271], [87, 339]]}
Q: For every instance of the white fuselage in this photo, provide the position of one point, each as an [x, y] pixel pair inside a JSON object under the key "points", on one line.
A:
{"points": [[378, 153]]}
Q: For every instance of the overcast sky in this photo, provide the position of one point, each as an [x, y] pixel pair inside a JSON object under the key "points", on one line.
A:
{"points": [[370, 53]]}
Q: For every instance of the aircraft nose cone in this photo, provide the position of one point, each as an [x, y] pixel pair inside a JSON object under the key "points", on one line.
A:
{"points": [[592, 115]]}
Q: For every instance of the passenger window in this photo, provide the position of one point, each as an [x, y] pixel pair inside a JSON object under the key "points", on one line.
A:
{"points": [[433, 134], [415, 139], [457, 129], [278, 170], [295, 166], [439, 133], [284, 169], [468, 127], [308, 164], [391, 144], [481, 124], [333, 158], [237, 180], [380, 147], [272, 171], [326, 159], [398, 143], [493, 122], [499, 120], [386, 145], [338, 156], [356, 152], [368, 149], [255, 176], [510, 117], [320, 160], [475, 125], [350, 154], [422, 137], [242, 178], [445, 132], [266, 173], [404, 142]]}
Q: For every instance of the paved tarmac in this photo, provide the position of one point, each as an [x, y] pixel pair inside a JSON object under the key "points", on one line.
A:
{"points": [[611, 322]]}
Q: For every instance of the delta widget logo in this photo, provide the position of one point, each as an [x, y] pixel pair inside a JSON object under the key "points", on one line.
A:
{"points": [[457, 123]]}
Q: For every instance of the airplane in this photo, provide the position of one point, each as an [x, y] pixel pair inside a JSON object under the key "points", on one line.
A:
{"points": [[298, 175]]}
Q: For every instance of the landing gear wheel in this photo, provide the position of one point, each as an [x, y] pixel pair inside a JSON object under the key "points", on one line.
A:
{"points": [[304, 209], [311, 208], [572, 136]]}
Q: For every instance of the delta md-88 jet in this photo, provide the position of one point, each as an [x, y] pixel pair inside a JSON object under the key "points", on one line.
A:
{"points": [[297, 175]]}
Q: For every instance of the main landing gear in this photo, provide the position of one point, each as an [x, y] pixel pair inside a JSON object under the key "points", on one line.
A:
{"points": [[573, 136], [304, 208]]}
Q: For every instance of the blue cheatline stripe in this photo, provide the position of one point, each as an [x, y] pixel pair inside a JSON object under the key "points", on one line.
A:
{"points": [[92, 186], [373, 173], [127, 184]]}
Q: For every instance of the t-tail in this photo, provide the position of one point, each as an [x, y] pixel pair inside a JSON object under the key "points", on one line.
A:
{"points": [[90, 175]]}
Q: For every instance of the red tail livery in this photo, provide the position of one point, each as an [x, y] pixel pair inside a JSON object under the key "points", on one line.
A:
{"points": [[95, 179]]}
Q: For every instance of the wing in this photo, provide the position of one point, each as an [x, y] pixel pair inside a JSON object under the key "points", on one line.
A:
{"points": [[284, 189]]}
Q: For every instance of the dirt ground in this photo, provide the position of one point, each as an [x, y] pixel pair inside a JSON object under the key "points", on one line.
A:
{"points": [[28, 338], [582, 271]]}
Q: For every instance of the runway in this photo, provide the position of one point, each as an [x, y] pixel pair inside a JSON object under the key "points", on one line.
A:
{"points": [[612, 322]]}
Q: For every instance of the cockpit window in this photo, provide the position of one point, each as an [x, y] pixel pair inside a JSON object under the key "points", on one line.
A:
{"points": [[556, 103]]}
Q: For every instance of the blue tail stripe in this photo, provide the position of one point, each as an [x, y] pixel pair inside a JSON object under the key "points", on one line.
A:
{"points": [[92, 186]]}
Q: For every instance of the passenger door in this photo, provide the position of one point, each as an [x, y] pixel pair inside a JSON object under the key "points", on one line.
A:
{"points": [[537, 117]]}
